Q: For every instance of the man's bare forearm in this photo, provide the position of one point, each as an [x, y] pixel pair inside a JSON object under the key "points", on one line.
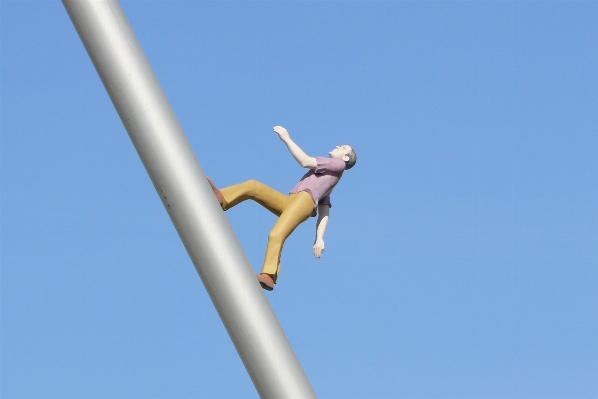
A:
{"points": [[300, 156], [323, 216], [322, 223]]}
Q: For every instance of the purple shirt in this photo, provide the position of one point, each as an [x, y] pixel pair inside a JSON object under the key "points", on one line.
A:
{"points": [[320, 181]]}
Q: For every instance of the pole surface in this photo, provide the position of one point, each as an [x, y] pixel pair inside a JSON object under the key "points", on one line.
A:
{"points": [[181, 184]]}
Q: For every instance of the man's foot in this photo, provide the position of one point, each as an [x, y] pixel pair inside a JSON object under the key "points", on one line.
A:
{"points": [[217, 192], [266, 281]]}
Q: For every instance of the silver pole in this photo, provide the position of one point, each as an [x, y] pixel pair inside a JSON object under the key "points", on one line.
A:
{"points": [[188, 199]]}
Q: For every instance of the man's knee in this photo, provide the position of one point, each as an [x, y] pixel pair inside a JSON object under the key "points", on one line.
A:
{"points": [[253, 185], [276, 235]]}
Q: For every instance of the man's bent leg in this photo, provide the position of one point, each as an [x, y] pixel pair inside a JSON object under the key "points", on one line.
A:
{"points": [[298, 209], [267, 197]]}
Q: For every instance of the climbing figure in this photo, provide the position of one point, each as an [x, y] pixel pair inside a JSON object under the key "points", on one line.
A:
{"points": [[309, 197]]}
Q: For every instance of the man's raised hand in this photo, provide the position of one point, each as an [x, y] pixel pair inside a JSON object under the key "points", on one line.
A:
{"points": [[282, 133], [304, 160]]}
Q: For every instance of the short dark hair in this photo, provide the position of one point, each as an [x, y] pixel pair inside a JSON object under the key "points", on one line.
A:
{"points": [[352, 159]]}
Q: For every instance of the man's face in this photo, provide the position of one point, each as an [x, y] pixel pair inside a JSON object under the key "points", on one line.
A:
{"points": [[340, 152]]}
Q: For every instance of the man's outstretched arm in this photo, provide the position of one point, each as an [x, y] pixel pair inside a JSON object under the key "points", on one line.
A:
{"points": [[304, 160], [323, 216]]}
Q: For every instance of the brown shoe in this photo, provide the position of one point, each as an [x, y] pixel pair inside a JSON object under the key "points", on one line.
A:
{"points": [[217, 192], [266, 281]]}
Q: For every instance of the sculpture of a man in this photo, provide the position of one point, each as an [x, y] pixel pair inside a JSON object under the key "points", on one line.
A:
{"points": [[309, 197]]}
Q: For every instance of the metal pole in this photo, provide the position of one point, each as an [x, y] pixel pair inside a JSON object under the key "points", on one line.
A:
{"points": [[188, 199]]}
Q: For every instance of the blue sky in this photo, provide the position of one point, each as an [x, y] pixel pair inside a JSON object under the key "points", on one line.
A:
{"points": [[462, 251]]}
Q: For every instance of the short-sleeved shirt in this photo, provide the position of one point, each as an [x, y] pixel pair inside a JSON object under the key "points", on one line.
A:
{"points": [[319, 182]]}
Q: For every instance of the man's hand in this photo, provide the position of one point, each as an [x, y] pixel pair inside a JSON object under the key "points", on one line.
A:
{"points": [[282, 133], [318, 248]]}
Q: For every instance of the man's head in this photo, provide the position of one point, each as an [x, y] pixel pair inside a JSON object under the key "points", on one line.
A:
{"points": [[346, 153]]}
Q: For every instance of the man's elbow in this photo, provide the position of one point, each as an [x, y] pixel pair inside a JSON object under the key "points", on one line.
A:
{"points": [[309, 162]]}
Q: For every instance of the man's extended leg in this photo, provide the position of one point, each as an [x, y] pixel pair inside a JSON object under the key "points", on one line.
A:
{"points": [[297, 210], [269, 198], [292, 211]]}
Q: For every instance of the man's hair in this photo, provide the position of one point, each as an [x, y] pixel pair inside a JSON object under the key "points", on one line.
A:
{"points": [[352, 159]]}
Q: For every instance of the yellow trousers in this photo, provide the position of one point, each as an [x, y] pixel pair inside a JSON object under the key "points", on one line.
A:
{"points": [[292, 210]]}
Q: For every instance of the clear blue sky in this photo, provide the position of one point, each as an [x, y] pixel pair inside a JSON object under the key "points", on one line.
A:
{"points": [[462, 252]]}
